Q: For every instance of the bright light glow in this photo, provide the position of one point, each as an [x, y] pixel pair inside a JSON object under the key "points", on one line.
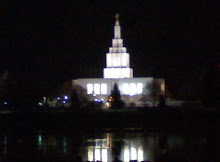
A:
{"points": [[139, 88], [97, 155], [140, 154], [64, 102], [133, 89], [40, 103], [96, 99], [125, 88], [89, 88], [117, 59], [133, 153], [103, 88], [125, 59], [109, 60], [97, 88], [104, 155], [126, 154], [5, 103], [90, 154], [66, 97], [118, 73], [58, 98], [39, 139], [163, 87]]}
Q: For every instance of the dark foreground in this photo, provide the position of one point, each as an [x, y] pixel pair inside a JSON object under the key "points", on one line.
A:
{"points": [[152, 119], [104, 136]]}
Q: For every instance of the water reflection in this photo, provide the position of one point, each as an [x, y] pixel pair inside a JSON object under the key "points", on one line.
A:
{"points": [[99, 148], [106, 146], [51, 144], [130, 146]]}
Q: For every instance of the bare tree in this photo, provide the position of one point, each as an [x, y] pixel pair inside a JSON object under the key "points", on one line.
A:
{"points": [[154, 91]]}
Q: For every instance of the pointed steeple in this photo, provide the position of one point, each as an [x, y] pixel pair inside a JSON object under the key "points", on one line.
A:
{"points": [[117, 29], [117, 19], [117, 60]]}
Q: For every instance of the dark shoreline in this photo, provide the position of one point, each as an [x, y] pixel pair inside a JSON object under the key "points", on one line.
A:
{"points": [[173, 120]]}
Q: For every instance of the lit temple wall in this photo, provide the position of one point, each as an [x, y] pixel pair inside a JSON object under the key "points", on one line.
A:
{"points": [[118, 73], [131, 89], [127, 86], [117, 60]]}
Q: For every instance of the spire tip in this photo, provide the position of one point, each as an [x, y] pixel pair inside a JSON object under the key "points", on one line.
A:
{"points": [[117, 16]]}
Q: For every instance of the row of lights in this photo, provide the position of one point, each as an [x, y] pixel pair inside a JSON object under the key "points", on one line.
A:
{"points": [[58, 98], [97, 100], [65, 99]]}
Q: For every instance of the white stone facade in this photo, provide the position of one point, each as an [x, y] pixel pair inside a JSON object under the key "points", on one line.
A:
{"points": [[117, 60], [117, 71]]}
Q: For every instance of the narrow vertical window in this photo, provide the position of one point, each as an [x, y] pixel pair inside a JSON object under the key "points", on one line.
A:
{"points": [[97, 88], [103, 88], [125, 88], [133, 89], [89, 88], [139, 88]]}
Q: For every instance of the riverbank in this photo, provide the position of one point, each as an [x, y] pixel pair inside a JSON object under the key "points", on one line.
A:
{"points": [[152, 119]]}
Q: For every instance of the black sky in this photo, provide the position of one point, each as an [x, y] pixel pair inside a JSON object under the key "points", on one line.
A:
{"points": [[48, 43]]}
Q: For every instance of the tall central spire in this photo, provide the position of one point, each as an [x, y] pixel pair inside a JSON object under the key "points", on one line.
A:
{"points": [[117, 60], [117, 29]]}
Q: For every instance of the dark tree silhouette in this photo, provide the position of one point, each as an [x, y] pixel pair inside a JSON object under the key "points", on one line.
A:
{"points": [[154, 90], [75, 101], [162, 101], [115, 98]]}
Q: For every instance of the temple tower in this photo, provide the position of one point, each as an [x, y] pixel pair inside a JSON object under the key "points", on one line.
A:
{"points": [[117, 60]]}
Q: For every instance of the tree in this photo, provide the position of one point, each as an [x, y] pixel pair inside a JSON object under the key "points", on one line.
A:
{"points": [[75, 101], [154, 90], [115, 98]]}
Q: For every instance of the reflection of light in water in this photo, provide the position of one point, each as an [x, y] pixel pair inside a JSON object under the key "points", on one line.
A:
{"points": [[98, 149], [133, 153], [126, 153], [104, 154], [64, 145], [90, 154], [40, 141], [97, 155], [140, 153]]}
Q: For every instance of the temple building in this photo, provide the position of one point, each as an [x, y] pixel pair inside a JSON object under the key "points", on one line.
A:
{"points": [[118, 71]]}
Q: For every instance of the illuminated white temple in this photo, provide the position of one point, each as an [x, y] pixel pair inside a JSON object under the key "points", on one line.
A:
{"points": [[117, 71], [117, 60]]}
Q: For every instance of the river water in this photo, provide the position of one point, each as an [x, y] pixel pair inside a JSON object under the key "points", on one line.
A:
{"points": [[107, 145]]}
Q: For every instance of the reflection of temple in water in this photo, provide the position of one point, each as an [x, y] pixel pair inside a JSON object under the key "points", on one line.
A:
{"points": [[100, 149], [140, 148], [108, 146]]}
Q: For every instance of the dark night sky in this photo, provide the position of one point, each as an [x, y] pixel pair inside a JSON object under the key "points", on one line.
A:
{"points": [[48, 43]]}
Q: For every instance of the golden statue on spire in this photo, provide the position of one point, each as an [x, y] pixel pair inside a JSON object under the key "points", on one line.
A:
{"points": [[117, 16]]}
